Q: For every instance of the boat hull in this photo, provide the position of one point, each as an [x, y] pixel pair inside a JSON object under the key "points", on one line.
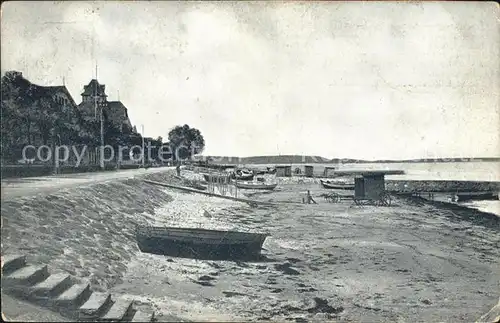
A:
{"points": [[256, 186], [337, 186], [216, 178], [201, 244], [243, 177]]}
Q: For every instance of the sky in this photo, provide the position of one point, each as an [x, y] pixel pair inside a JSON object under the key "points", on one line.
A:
{"points": [[368, 80]]}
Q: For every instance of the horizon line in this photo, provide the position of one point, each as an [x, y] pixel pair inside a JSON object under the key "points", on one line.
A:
{"points": [[345, 158]]}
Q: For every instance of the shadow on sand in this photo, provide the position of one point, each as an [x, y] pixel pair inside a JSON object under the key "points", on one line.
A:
{"points": [[222, 252]]}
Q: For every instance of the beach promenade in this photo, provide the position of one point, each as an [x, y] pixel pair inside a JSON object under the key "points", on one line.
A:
{"points": [[29, 186]]}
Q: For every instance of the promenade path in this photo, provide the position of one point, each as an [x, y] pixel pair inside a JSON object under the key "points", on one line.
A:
{"points": [[16, 187]]}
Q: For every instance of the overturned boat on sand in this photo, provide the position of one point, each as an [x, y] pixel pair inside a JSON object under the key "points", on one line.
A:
{"points": [[243, 175], [200, 243]]}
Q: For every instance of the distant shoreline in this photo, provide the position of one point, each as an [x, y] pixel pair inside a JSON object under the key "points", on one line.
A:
{"points": [[297, 159]]}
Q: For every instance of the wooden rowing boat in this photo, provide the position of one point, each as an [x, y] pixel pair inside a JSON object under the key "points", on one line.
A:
{"points": [[255, 186], [337, 185], [200, 243], [243, 175]]}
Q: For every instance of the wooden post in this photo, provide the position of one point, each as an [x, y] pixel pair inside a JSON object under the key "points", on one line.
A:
{"points": [[236, 186], [56, 160]]}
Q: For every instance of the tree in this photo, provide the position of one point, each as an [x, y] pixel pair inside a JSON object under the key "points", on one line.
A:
{"points": [[185, 142]]}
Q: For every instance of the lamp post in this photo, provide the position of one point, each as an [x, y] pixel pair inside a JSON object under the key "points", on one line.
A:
{"points": [[56, 158], [102, 105], [143, 155]]}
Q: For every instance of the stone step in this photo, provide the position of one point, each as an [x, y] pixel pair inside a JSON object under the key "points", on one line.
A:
{"points": [[26, 276], [54, 285], [118, 311], [12, 263], [75, 296], [142, 317], [95, 306]]}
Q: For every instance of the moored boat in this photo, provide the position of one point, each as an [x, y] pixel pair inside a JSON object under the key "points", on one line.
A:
{"points": [[337, 185], [255, 186], [243, 175], [200, 243], [246, 177]]}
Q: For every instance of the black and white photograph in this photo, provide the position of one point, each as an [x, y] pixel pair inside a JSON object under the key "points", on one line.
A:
{"points": [[250, 161]]}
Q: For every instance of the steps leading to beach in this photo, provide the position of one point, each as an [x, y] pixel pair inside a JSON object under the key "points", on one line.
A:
{"points": [[119, 310], [73, 297], [95, 306], [25, 276], [143, 317], [55, 284], [11, 263], [62, 293]]}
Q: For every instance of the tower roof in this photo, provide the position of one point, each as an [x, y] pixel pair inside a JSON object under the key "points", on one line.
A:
{"points": [[94, 89]]}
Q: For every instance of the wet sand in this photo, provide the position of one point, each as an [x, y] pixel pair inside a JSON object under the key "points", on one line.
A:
{"points": [[409, 262]]}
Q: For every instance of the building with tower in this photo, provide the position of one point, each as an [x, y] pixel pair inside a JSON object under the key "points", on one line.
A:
{"points": [[94, 98]]}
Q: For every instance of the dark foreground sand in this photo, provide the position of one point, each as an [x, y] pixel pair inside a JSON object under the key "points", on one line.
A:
{"points": [[410, 262], [15, 310]]}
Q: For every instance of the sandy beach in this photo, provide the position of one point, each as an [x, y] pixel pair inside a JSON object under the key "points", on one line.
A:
{"points": [[413, 261]]}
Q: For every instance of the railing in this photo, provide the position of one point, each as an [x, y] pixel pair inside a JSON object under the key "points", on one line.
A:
{"points": [[221, 184]]}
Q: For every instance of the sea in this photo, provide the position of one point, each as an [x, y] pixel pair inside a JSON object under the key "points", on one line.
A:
{"points": [[487, 171]]}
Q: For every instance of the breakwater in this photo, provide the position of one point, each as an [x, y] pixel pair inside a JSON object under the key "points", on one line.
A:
{"points": [[410, 186]]}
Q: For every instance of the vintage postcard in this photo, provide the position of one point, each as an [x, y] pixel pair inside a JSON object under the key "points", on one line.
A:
{"points": [[285, 161]]}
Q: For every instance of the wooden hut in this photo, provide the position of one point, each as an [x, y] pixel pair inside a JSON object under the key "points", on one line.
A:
{"points": [[284, 171], [309, 170], [369, 184], [327, 170]]}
